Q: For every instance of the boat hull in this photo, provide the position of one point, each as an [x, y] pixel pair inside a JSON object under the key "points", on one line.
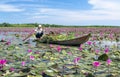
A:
{"points": [[72, 42]]}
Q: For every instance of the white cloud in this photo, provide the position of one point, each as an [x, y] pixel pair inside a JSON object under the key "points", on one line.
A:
{"points": [[9, 8], [78, 15], [105, 4], [108, 7], [102, 10]]}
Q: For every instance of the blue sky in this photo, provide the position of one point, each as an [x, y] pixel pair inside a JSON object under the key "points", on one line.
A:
{"points": [[64, 12]]}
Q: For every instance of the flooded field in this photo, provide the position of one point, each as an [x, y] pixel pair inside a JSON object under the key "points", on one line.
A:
{"points": [[98, 57]]}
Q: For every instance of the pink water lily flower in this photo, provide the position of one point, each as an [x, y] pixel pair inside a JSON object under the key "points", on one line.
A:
{"points": [[23, 63], [32, 57], [59, 48], [76, 60], [80, 48], [97, 51], [96, 64], [109, 61], [8, 43], [89, 43], [12, 69], [69, 53], [29, 50], [51, 46], [106, 50], [3, 61]]}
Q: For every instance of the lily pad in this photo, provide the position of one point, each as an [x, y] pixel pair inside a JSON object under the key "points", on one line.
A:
{"points": [[90, 75], [103, 57]]}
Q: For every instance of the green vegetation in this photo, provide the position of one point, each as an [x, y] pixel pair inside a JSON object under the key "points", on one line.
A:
{"points": [[95, 58], [50, 25], [18, 25], [60, 37]]}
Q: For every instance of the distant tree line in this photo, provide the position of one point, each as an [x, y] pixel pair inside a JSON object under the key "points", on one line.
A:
{"points": [[49, 25], [5, 25], [18, 25], [28, 25]]}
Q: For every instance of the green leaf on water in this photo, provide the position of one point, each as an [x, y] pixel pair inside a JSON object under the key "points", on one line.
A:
{"points": [[34, 76], [25, 70], [18, 75], [117, 53], [103, 57], [90, 75], [11, 47], [64, 52]]}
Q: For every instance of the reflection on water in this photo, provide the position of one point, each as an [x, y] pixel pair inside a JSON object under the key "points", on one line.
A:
{"points": [[105, 43]]}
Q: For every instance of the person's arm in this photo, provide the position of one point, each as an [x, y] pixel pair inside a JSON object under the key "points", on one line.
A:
{"points": [[35, 29]]}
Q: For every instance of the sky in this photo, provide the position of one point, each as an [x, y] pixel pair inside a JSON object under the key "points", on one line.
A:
{"points": [[61, 12]]}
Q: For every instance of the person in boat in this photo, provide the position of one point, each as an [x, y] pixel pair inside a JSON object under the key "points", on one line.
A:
{"points": [[39, 32]]}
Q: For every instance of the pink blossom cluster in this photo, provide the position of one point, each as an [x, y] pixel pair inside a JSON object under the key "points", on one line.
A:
{"points": [[2, 63]]}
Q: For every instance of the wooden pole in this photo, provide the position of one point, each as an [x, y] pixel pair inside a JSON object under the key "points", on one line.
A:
{"points": [[28, 36]]}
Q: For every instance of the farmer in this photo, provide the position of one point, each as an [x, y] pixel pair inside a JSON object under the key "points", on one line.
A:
{"points": [[39, 32]]}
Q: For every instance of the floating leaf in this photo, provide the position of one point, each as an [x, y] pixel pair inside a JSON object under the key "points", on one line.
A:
{"points": [[117, 53], [110, 75], [34, 76], [11, 47], [64, 52], [18, 75], [25, 70], [103, 57], [90, 75]]}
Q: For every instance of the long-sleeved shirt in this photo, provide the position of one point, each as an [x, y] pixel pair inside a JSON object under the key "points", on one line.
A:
{"points": [[38, 30]]}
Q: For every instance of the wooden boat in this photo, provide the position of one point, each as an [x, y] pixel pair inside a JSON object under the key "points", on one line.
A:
{"points": [[71, 42]]}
